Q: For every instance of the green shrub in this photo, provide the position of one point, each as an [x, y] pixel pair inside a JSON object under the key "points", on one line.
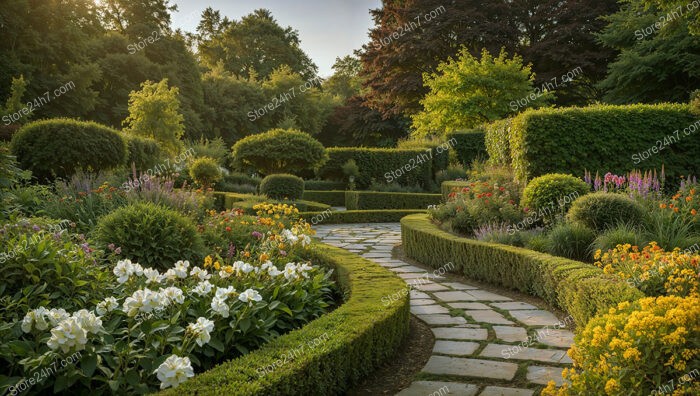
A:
{"points": [[603, 210], [358, 216], [150, 235], [538, 243], [449, 187], [552, 194], [668, 229], [497, 142], [603, 138], [394, 187], [468, 145], [618, 235], [59, 147], [580, 289], [407, 167], [324, 185], [463, 223], [438, 149], [279, 150], [333, 198], [205, 171], [571, 240], [226, 200], [215, 148], [356, 338], [144, 153], [364, 200], [452, 173], [282, 186], [241, 178]]}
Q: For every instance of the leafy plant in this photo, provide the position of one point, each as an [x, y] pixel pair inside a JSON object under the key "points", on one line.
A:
{"points": [[552, 194], [282, 186], [205, 172], [571, 240], [279, 150], [602, 210]]}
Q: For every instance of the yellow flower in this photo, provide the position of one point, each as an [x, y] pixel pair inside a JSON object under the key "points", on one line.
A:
{"points": [[207, 261], [611, 386], [217, 265]]}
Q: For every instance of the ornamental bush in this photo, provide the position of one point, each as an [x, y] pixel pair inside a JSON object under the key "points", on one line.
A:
{"points": [[603, 210], [551, 194], [59, 147], [143, 153], [469, 145], [279, 150], [150, 234], [649, 346], [571, 240], [205, 171], [282, 186]]}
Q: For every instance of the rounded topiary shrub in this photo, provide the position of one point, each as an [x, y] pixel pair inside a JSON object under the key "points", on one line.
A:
{"points": [[143, 153], [604, 210], [151, 235], [205, 171], [59, 147], [551, 194], [282, 186], [279, 150], [571, 240]]}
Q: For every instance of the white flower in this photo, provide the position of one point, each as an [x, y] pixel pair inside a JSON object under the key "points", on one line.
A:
{"points": [[152, 275], [173, 294], [69, 334], [273, 271], [125, 268], [181, 268], [302, 269], [203, 288], [266, 265], [225, 274], [290, 237], [174, 371], [109, 304], [170, 274], [219, 306], [237, 265], [201, 329], [88, 321], [246, 268], [224, 293], [290, 271], [202, 274], [35, 318], [305, 240], [57, 315], [249, 296]]}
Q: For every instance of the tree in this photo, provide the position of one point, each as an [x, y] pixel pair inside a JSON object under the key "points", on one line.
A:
{"points": [[14, 103], [345, 82], [467, 92], [154, 112], [687, 9], [657, 60], [256, 42], [137, 17], [279, 150]]}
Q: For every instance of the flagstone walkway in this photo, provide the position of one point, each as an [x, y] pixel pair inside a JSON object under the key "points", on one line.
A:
{"points": [[486, 344]]}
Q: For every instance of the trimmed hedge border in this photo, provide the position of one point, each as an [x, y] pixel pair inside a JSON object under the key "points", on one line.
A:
{"points": [[580, 289], [448, 186], [369, 200], [229, 200], [358, 216], [360, 335], [469, 145], [333, 198]]}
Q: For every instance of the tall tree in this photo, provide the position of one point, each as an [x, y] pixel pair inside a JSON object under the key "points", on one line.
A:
{"points": [[345, 82], [137, 17]]}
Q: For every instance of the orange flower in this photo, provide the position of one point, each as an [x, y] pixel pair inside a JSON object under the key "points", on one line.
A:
{"points": [[688, 199], [662, 206], [693, 212]]}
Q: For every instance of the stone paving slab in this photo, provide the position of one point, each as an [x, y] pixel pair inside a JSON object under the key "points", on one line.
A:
{"points": [[501, 391], [555, 337], [514, 305], [488, 316], [429, 309], [442, 319], [535, 317], [503, 351], [426, 301], [460, 333], [470, 367], [428, 388], [470, 306], [510, 333], [543, 374], [458, 348]]}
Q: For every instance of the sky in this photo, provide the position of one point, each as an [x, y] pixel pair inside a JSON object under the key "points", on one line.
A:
{"points": [[327, 28]]}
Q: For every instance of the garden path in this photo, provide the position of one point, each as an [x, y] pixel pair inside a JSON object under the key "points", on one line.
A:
{"points": [[502, 346]]}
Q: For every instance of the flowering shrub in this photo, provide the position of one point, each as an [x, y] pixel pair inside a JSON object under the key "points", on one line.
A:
{"points": [[686, 204], [652, 270], [637, 349]]}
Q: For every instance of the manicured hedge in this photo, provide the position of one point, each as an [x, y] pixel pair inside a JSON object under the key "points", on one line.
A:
{"points": [[324, 185], [59, 147], [438, 150], [580, 289], [358, 337], [497, 141], [225, 200], [377, 164], [143, 153], [333, 198], [229, 200], [468, 145], [365, 200], [358, 216], [449, 186], [605, 138]]}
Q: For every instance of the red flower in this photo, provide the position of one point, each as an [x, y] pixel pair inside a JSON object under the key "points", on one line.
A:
{"points": [[489, 195], [228, 229]]}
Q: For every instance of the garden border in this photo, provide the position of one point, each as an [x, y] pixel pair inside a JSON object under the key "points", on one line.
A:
{"points": [[358, 216], [364, 333], [578, 288], [374, 200]]}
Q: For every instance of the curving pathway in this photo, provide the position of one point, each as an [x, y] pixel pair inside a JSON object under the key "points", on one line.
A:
{"points": [[507, 347]]}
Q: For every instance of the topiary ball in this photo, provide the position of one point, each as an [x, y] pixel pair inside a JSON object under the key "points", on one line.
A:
{"points": [[205, 171], [547, 195], [151, 235], [604, 210], [282, 186]]}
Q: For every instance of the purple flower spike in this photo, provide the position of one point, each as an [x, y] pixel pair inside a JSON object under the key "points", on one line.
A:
{"points": [[257, 234]]}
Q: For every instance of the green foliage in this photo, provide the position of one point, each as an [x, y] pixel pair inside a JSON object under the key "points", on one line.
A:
{"points": [[205, 171], [409, 167], [395, 187], [324, 185], [604, 139], [14, 102], [364, 200], [551, 195], [307, 206], [497, 141], [571, 240], [580, 289], [150, 235], [350, 169], [345, 81], [468, 145], [358, 216], [618, 235], [437, 149], [452, 173], [668, 229], [467, 92], [59, 147], [154, 112], [279, 150], [144, 153], [448, 187], [333, 198], [212, 148], [282, 186], [603, 210]]}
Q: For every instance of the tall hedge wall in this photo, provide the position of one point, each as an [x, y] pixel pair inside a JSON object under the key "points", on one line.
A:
{"points": [[497, 141], [578, 288], [468, 145], [358, 337], [364, 200], [605, 138], [409, 167]]}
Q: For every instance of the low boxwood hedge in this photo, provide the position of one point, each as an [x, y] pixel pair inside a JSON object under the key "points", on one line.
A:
{"points": [[225, 200], [359, 336], [333, 198], [449, 186], [324, 185], [366, 200], [229, 200], [358, 216], [580, 289]]}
